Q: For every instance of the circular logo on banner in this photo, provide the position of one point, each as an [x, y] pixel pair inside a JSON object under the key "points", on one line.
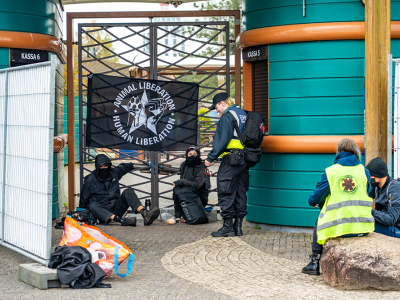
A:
{"points": [[142, 112], [348, 184]]}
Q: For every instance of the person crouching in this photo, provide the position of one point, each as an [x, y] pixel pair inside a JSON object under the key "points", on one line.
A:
{"points": [[194, 175]]}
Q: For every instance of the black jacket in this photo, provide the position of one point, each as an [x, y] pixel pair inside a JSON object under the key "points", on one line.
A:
{"points": [[96, 189], [193, 176], [74, 268], [387, 212]]}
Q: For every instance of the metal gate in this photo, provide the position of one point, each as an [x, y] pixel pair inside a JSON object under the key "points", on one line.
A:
{"points": [[176, 51]]}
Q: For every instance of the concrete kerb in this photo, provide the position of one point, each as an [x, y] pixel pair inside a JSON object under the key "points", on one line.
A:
{"points": [[39, 276]]}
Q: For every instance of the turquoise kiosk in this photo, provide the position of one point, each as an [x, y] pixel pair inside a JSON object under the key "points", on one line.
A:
{"points": [[304, 70]]}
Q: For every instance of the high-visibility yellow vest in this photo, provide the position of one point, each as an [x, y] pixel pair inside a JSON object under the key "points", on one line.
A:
{"points": [[347, 209], [234, 143]]}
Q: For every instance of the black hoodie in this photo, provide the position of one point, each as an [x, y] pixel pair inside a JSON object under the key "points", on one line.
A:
{"points": [[102, 191]]}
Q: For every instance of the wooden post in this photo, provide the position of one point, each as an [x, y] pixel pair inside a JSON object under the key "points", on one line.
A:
{"points": [[377, 49], [70, 112]]}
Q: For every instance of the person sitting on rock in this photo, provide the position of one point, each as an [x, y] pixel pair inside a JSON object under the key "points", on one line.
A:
{"points": [[101, 195], [342, 196], [193, 174], [386, 192]]}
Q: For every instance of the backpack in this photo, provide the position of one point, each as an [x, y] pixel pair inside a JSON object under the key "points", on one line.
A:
{"points": [[253, 131], [252, 136], [80, 215]]}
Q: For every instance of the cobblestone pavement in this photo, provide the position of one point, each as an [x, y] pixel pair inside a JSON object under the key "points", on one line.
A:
{"points": [[233, 267], [267, 262]]}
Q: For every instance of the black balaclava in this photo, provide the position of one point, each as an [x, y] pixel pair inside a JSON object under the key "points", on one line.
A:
{"points": [[193, 161], [103, 174]]}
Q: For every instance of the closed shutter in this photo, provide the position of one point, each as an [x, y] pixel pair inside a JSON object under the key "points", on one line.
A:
{"points": [[260, 89]]}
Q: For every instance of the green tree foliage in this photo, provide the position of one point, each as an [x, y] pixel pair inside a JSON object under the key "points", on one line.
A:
{"points": [[204, 125], [212, 36], [220, 5], [101, 37]]}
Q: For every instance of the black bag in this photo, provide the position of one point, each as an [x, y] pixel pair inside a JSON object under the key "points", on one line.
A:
{"points": [[80, 215], [252, 156], [192, 209], [252, 137], [253, 131], [236, 157]]}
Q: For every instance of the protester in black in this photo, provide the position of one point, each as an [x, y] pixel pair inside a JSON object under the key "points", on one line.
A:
{"points": [[101, 195], [193, 173]]}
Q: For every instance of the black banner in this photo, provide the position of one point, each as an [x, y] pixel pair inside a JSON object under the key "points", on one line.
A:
{"points": [[140, 114]]}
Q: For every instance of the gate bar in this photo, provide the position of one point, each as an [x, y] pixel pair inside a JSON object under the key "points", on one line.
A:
{"points": [[132, 14]]}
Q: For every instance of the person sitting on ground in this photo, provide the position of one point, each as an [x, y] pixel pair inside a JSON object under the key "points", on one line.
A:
{"points": [[386, 192], [193, 173], [342, 196], [101, 195]]}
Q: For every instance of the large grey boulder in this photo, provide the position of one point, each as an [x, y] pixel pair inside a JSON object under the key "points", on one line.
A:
{"points": [[369, 262]]}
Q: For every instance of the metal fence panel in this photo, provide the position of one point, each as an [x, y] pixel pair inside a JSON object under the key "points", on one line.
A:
{"points": [[164, 54], [27, 120]]}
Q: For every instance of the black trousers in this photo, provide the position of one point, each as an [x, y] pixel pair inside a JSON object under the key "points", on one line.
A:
{"points": [[315, 247], [232, 187], [104, 211]]}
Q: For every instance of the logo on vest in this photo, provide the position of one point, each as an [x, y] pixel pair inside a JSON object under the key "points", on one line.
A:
{"points": [[348, 184], [143, 113]]}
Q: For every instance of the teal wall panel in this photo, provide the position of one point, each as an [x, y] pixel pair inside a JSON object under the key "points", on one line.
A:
{"points": [[4, 58], [282, 216], [278, 197], [307, 69], [332, 106], [37, 16], [267, 13], [284, 180], [325, 125], [317, 50], [294, 162], [316, 87]]}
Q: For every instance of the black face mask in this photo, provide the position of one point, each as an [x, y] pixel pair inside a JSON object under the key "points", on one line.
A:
{"points": [[374, 184], [104, 173], [193, 160]]}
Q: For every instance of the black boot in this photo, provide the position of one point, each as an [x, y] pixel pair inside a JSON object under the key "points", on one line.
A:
{"points": [[131, 221], [150, 216], [313, 267], [226, 230], [237, 226]]}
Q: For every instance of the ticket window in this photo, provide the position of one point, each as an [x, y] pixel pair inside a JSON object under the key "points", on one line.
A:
{"points": [[258, 57], [22, 57]]}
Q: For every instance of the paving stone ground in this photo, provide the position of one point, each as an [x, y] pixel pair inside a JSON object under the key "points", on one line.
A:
{"points": [[264, 261], [149, 279]]}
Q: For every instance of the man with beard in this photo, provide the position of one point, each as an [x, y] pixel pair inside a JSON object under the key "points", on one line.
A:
{"points": [[101, 195], [193, 174]]}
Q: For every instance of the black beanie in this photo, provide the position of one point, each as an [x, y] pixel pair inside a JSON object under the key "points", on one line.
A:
{"points": [[377, 168]]}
